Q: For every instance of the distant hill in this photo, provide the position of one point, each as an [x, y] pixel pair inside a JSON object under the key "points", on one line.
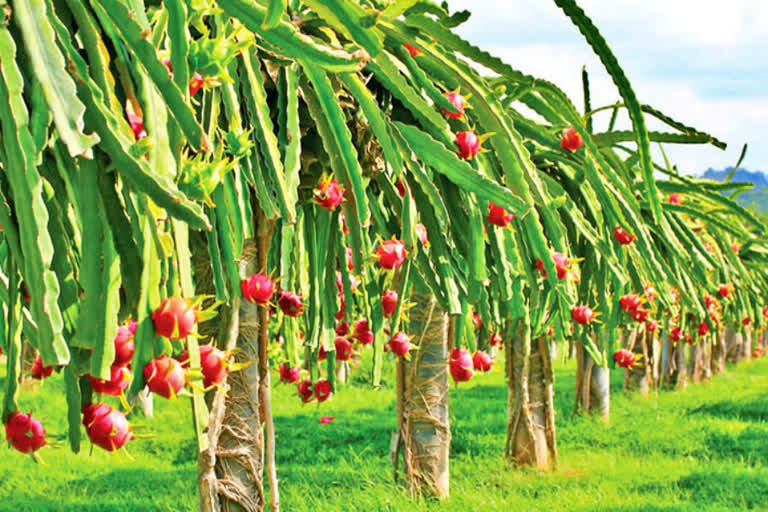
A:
{"points": [[757, 197]]}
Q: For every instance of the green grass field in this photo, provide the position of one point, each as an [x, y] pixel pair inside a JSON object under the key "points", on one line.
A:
{"points": [[703, 449]]}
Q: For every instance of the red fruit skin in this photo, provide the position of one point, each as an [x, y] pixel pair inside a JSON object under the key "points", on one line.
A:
{"points": [[391, 254], [25, 433], [119, 382], [195, 83], [323, 390], [477, 320], [703, 328], [499, 216], [38, 371], [469, 145], [571, 140], [562, 266], [624, 358], [675, 334], [174, 318], [457, 100], [106, 427], [124, 344], [622, 236], [415, 52], [329, 194], [389, 302], [745, 320], [724, 291], [639, 315], [342, 307], [482, 361], [675, 199], [630, 302], [304, 387], [343, 349], [651, 326], [136, 123], [421, 232], [362, 333], [400, 344], [342, 329], [257, 289], [582, 315], [460, 365], [214, 364], [495, 340], [288, 374], [290, 303], [164, 376]]}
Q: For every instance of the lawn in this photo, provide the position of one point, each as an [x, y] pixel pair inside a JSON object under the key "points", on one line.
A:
{"points": [[703, 449]]}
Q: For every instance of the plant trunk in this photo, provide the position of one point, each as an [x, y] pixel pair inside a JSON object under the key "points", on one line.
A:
{"points": [[530, 405], [654, 347], [698, 369], [675, 376], [747, 346], [638, 378], [593, 386], [230, 471], [717, 359], [425, 431], [733, 344]]}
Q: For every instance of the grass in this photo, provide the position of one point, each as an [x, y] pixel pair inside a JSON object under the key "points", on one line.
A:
{"points": [[703, 449]]}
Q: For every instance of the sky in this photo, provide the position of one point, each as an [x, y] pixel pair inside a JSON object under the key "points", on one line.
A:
{"points": [[702, 62]]}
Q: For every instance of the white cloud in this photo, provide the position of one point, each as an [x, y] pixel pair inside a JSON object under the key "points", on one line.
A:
{"points": [[698, 61]]}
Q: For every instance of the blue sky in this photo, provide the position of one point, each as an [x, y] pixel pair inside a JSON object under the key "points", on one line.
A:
{"points": [[703, 62]]}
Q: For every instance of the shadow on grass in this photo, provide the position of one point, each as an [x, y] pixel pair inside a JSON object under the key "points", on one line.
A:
{"points": [[755, 410], [740, 490], [749, 447], [122, 489]]}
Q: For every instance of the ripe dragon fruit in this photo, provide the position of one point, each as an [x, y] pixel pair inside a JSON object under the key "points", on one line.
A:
{"points": [[124, 344], [215, 364], [562, 266], [343, 349], [460, 365], [329, 194], [391, 254], [725, 290], [305, 390], [400, 344], [290, 303], [582, 315], [106, 427], [24, 433], [630, 302], [499, 216], [469, 144], [164, 376], [482, 361], [621, 236], [415, 52], [389, 302], [119, 381], [624, 358], [289, 374], [323, 390], [458, 101], [571, 140], [257, 289], [174, 318], [38, 371], [362, 333]]}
